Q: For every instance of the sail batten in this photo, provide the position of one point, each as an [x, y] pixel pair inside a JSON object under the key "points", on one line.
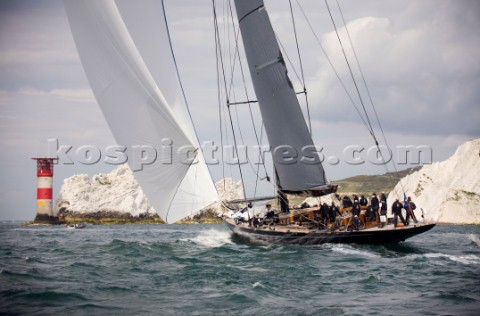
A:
{"points": [[284, 122]]}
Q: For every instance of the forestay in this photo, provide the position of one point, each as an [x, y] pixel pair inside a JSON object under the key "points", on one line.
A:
{"points": [[131, 73], [300, 168]]}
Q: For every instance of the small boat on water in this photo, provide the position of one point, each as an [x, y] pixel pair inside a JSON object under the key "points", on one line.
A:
{"points": [[76, 226]]}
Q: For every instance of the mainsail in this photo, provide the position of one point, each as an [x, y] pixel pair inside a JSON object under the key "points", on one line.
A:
{"points": [[131, 76], [285, 125]]}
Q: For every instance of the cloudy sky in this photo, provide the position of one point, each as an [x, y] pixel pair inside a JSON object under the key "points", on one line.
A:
{"points": [[420, 60]]}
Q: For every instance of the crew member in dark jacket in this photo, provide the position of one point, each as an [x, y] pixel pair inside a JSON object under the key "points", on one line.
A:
{"points": [[375, 203], [333, 212], [324, 210], [383, 211], [370, 214], [410, 207], [383, 208], [397, 211], [356, 215], [383, 197], [363, 201], [347, 202]]}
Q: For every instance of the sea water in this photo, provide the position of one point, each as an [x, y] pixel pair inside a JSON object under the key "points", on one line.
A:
{"points": [[205, 270]]}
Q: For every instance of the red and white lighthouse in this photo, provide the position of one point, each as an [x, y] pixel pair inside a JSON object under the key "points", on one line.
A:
{"points": [[44, 190]]}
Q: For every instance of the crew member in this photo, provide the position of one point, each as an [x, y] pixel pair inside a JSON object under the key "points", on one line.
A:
{"points": [[347, 202], [375, 204], [333, 212], [363, 200], [269, 217], [397, 212], [383, 211], [324, 210], [356, 215]]}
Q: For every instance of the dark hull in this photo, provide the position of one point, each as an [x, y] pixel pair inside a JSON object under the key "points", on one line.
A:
{"points": [[378, 236]]}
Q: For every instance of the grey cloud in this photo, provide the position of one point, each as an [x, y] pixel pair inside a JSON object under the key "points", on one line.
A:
{"points": [[422, 73]]}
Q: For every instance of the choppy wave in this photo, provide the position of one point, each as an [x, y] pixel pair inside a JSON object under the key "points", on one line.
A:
{"points": [[353, 251], [475, 239], [211, 238], [463, 259], [205, 270]]}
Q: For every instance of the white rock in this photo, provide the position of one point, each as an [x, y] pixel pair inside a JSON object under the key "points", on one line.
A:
{"points": [[119, 191], [114, 191], [447, 191]]}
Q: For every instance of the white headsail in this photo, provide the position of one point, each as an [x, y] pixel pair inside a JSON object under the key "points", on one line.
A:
{"points": [[131, 75]]}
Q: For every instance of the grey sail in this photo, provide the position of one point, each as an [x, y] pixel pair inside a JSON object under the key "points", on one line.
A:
{"points": [[296, 162]]}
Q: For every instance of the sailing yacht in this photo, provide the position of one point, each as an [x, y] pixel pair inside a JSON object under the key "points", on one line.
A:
{"points": [[131, 73], [285, 125]]}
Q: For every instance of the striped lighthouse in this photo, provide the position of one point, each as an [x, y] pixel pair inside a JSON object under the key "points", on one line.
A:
{"points": [[44, 191]]}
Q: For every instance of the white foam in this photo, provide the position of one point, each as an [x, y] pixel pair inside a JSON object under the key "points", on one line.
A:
{"points": [[475, 239], [346, 249], [466, 259], [212, 238]]}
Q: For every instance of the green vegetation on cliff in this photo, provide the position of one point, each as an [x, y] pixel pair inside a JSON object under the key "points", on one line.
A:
{"points": [[367, 184]]}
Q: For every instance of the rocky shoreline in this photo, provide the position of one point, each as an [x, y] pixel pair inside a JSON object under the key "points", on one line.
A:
{"points": [[107, 217]]}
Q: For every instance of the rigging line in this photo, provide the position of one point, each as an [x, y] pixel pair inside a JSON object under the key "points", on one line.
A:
{"points": [[301, 68], [183, 91], [239, 128], [288, 58], [217, 34], [236, 151], [368, 91], [364, 80], [241, 137], [220, 110], [351, 73], [258, 166], [267, 177], [226, 96], [232, 91], [237, 119], [178, 75], [242, 72], [341, 82], [231, 55], [237, 51], [331, 64], [232, 71], [226, 92], [256, 172]]}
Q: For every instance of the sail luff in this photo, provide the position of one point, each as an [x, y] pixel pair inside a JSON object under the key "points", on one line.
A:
{"points": [[295, 158]]}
